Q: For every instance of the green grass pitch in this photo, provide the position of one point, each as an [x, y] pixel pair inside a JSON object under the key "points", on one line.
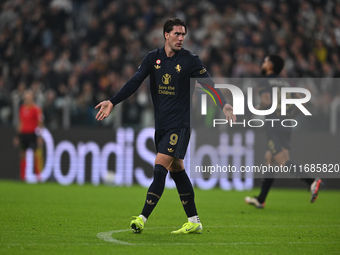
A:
{"points": [[52, 219]]}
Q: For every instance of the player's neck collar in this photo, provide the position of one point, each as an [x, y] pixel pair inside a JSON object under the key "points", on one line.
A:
{"points": [[173, 57]]}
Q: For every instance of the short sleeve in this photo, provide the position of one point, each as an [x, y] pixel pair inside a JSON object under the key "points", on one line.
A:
{"points": [[197, 69]]}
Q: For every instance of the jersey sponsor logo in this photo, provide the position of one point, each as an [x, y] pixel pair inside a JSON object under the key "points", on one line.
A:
{"points": [[178, 68], [158, 61], [157, 66], [203, 71], [166, 79], [170, 150], [166, 90]]}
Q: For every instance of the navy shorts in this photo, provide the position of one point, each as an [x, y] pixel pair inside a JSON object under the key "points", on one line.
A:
{"points": [[173, 142], [277, 141]]}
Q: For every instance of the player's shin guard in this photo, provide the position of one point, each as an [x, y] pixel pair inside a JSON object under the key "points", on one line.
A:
{"points": [[265, 187], [185, 191], [155, 190]]}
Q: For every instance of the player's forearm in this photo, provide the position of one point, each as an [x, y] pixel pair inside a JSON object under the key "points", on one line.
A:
{"points": [[128, 89], [209, 85]]}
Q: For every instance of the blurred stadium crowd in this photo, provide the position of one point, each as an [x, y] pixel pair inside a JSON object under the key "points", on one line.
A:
{"points": [[76, 53]]}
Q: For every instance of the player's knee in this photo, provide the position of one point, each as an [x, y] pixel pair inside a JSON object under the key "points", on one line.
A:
{"points": [[177, 165], [164, 160], [174, 168], [281, 159]]}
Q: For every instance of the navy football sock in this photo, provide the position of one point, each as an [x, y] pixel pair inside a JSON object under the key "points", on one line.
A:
{"points": [[185, 191], [155, 190], [265, 187]]}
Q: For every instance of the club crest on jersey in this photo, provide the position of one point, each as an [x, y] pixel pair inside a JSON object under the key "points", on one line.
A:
{"points": [[166, 78], [178, 68], [158, 61]]}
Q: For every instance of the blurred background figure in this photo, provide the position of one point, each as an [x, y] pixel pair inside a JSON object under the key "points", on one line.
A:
{"points": [[29, 127]]}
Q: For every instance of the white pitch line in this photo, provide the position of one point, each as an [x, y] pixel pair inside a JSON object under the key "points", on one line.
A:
{"points": [[107, 236]]}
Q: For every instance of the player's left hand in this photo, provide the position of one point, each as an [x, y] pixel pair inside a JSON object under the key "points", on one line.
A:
{"points": [[228, 112]]}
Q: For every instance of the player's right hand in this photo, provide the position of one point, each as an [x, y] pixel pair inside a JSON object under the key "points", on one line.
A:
{"points": [[105, 109]]}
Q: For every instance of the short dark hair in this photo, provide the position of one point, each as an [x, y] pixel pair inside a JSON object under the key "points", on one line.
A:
{"points": [[278, 63], [170, 23]]}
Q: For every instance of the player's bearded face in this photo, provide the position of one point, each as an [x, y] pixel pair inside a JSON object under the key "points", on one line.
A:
{"points": [[176, 38]]}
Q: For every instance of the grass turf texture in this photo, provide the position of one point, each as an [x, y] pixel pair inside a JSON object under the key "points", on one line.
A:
{"points": [[52, 219]]}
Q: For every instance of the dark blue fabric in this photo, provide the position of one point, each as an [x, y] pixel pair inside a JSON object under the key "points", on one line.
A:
{"points": [[155, 190], [185, 191]]}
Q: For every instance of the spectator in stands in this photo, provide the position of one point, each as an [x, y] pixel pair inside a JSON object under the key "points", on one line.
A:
{"points": [[101, 37]]}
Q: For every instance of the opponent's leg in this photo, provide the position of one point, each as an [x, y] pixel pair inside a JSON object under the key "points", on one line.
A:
{"points": [[313, 183], [259, 201]]}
